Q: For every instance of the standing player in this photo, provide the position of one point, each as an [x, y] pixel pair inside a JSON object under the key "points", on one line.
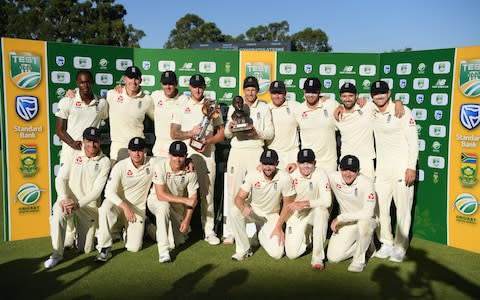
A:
{"points": [[246, 144], [285, 141], [185, 126], [396, 143], [310, 208], [79, 183], [353, 227], [172, 199], [266, 190], [125, 200]]}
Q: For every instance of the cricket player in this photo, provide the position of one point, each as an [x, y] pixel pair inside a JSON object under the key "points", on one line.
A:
{"points": [[310, 209], [246, 144], [125, 200], [353, 227], [79, 183], [285, 140], [258, 201], [184, 126], [172, 199], [396, 143]]}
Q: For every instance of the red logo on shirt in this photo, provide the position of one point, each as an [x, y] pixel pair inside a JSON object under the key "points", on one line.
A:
{"points": [[120, 98], [327, 186], [187, 110], [169, 175], [257, 185], [79, 160], [338, 186], [295, 182], [160, 103], [155, 175], [78, 103], [411, 122], [304, 115], [371, 197], [129, 173]]}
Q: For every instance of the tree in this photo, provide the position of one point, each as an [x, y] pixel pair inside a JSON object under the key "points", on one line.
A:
{"points": [[191, 28], [271, 32], [91, 22], [312, 40]]}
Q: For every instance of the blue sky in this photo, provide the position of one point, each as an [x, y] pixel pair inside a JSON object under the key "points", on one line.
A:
{"points": [[352, 26]]}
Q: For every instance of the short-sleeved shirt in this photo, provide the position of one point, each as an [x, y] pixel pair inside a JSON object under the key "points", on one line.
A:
{"points": [[266, 195], [82, 178], [182, 183], [127, 115], [285, 127], [314, 188]]}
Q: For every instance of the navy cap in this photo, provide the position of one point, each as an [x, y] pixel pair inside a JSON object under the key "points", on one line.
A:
{"points": [[348, 87], [379, 87], [197, 81], [269, 157], [133, 72], [178, 148], [168, 77], [350, 162], [136, 144], [251, 81], [312, 85], [305, 155], [277, 86], [91, 134]]}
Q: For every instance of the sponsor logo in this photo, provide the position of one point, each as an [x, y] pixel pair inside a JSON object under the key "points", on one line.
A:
{"points": [[288, 69], [470, 115], [436, 162], [60, 93], [210, 94], [440, 84], [227, 96], [419, 129], [389, 81], [366, 96], [122, 63], [26, 107], [437, 130], [466, 204], [468, 169], [104, 79], [103, 93], [404, 69], [148, 80], [420, 84], [103, 63], [404, 97], [419, 98], [25, 70], [146, 65], [468, 141], [421, 68], [187, 66], [419, 114], [28, 160], [228, 67], [469, 78], [60, 77], [421, 175], [438, 114], [291, 96], [441, 67], [28, 194], [347, 70], [366, 84], [263, 74], [208, 81], [328, 69], [227, 82], [60, 61], [184, 81], [328, 96], [403, 83], [436, 146], [387, 69], [327, 83], [288, 83], [166, 65], [435, 177], [343, 81], [308, 68], [367, 70], [207, 67], [421, 145], [439, 99], [82, 62]]}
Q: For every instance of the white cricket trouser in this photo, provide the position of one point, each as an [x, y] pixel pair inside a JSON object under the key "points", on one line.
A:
{"points": [[239, 162], [242, 244], [206, 172], [297, 235], [388, 186], [168, 224], [87, 218], [108, 215], [351, 240], [66, 154]]}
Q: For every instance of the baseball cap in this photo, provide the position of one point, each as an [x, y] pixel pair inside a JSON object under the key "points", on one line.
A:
{"points": [[197, 81], [178, 148], [305, 155], [348, 87], [168, 77], [350, 162], [269, 157], [379, 87], [251, 81], [312, 85], [91, 134], [133, 72], [136, 144], [277, 86]]}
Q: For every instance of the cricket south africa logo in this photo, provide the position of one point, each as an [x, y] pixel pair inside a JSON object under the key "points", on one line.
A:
{"points": [[25, 69], [466, 204], [469, 78], [28, 194]]}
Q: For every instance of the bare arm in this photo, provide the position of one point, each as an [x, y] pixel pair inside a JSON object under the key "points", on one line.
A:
{"points": [[61, 132], [164, 195], [176, 132]]}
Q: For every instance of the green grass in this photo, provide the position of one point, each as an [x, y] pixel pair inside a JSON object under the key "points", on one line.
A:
{"points": [[201, 271]]}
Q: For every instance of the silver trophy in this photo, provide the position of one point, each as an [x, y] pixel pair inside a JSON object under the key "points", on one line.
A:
{"points": [[210, 111]]}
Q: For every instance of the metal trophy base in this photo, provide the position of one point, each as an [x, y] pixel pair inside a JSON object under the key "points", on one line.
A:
{"points": [[197, 145], [241, 127]]}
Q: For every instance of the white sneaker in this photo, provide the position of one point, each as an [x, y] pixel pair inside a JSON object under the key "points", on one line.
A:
{"points": [[51, 262], [165, 257], [357, 268], [384, 252], [398, 254], [212, 239], [242, 256], [229, 240]]}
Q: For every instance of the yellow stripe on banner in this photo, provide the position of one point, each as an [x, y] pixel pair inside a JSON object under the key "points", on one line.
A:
{"points": [[27, 143], [464, 191], [262, 65]]}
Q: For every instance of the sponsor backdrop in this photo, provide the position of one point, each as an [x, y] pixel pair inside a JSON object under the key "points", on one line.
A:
{"points": [[446, 207]]}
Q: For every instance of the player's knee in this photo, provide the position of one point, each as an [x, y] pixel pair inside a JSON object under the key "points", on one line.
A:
{"points": [[134, 248], [334, 257]]}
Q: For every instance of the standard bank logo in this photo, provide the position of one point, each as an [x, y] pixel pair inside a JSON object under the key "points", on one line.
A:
{"points": [[26, 107], [470, 115], [466, 204], [25, 70], [469, 78]]}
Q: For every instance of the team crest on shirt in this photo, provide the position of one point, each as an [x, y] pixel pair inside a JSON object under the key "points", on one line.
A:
{"points": [[120, 98], [275, 186], [79, 160], [187, 110], [304, 115], [338, 186], [371, 197], [257, 185], [129, 173], [160, 103]]}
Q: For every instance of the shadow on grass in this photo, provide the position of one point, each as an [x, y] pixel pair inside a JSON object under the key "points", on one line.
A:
{"points": [[419, 283]]}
